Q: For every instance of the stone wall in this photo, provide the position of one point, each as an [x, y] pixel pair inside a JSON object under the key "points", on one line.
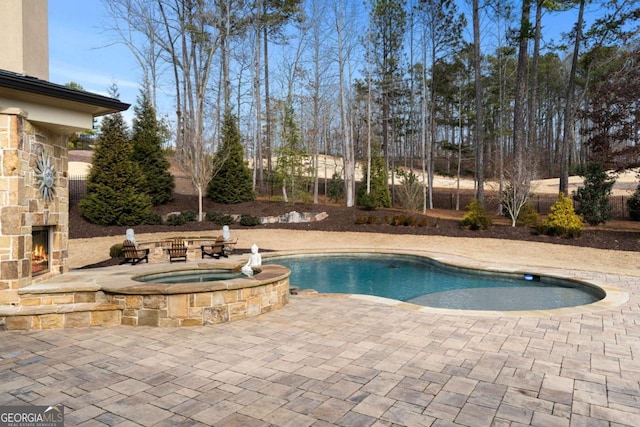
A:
{"points": [[201, 308], [22, 145]]}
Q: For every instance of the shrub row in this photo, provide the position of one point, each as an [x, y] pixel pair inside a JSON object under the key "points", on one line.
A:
{"points": [[218, 218], [404, 220], [562, 221]]}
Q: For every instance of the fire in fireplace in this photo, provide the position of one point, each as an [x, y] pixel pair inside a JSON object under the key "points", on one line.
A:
{"points": [[40, 250]]}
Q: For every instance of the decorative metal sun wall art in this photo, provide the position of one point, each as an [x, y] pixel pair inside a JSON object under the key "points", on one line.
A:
{"points": [[45, 174]]}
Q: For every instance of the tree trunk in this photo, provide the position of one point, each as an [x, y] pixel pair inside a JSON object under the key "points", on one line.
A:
{"points": [[258, 166], [479, 133], [267, 103], [519, 139], [532, 143], [224, 55], [568, 135], [349, 161]]}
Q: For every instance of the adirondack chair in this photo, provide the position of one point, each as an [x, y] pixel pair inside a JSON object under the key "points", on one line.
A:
{"points": [[214, 250], [178, 250], [132, 254]]}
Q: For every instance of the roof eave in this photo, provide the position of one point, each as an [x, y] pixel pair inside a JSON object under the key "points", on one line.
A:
{"points": [[104, 105]]}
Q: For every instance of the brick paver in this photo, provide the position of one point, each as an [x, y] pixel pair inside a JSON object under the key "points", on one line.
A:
{"points": [[335, 360]]}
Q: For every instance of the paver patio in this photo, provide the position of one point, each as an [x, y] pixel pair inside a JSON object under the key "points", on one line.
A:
{"points": [[336, 360]]}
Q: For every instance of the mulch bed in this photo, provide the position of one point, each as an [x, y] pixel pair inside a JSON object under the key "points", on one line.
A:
{"points": [[617, 235]]}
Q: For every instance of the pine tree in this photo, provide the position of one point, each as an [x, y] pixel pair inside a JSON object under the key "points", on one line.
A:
{"points": [[379, 195], [593, 198], [147, 152], [115, 192], [233, 182], [633, 204], [293, 172]]}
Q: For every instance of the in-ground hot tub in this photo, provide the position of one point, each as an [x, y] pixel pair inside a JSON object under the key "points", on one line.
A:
{"points": [[190, 276], [226, 297]]}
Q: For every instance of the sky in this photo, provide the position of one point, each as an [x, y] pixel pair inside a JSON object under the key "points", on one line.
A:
{"points": [[82, 51]]}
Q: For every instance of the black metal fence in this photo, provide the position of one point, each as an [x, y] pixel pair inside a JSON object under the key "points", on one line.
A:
{"points": [[77, 188], [442, 199], [542, 203]]}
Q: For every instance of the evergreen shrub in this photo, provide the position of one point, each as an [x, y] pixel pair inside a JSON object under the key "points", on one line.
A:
{"points": [[219, 218], [233, 183], [397, 220], [361, 220], [249, 220], [115, 185], [410, 221], [633, 204], [153, 219], [592, 200], [189, 216], [176, 219], [527, 217], [368, 201], [116, 251], [147, 138], [476, 217], [379, 195], [562, 221], [335, 188]]}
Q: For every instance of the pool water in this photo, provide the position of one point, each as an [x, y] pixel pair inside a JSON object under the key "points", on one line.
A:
{"points": [[189, 276], [426, 282]]}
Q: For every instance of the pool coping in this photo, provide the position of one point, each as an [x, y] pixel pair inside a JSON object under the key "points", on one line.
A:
{"points": [[614, 296]]}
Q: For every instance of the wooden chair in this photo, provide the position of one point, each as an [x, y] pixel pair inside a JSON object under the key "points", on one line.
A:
{"points": [[132, 254], [215, 250], [178, 250]]}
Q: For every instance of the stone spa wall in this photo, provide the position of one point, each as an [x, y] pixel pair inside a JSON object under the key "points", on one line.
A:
{"points": [[193, 304]]}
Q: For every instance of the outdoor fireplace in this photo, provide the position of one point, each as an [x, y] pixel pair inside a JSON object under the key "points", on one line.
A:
{"points": [[40, 252]]}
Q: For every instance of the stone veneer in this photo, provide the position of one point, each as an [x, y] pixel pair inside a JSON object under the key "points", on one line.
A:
{"points": [[201, 308], [21, 205], [110, 296]]}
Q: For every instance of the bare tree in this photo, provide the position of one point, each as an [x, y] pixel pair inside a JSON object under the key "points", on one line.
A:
{"points": [[570, 109], [479, 132], [315, 86], [518, 189], [532, 135], [258, 167], [343, 57], [519, 106], [184, 35], [131, 19], [501, 13], [190, 41], [442, 33]]}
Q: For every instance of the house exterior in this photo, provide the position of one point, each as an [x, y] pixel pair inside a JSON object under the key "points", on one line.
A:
{"points": [[36, 119]]}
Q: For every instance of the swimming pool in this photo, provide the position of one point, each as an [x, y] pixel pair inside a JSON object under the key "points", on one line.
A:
{"points": [[423, 281]]}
